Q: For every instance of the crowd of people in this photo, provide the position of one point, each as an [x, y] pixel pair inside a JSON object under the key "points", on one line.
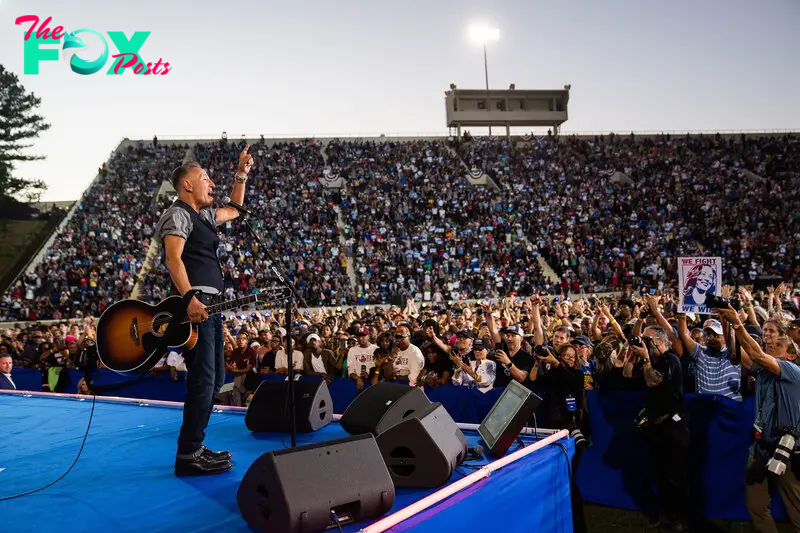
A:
{"points": [[558, 347], [420, 229], [608, 213], [613, 212], [94, 258]]}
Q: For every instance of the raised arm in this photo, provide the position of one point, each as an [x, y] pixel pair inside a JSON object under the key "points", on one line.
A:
{"points": [[675, 342], [751, 351], [225, 214], [683, 334], [487, 312]]}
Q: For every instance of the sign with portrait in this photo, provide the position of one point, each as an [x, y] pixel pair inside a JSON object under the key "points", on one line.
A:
{"points": [[697, 278]]}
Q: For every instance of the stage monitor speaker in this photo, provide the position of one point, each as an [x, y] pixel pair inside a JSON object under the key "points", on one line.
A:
{"points": [[512, 411], [295, 490], [381, 406], [269, 409], [424, 449]]}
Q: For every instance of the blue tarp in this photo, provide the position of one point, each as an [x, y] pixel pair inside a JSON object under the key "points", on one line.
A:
{"points": [[613, 472], [123, 481]]}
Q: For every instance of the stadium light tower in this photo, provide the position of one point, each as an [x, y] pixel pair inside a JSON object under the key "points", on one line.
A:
{"points": [[483, 34]]}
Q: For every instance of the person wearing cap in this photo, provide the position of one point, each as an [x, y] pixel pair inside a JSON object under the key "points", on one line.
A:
{"points": [[408, 360], [715, 369], [515, 363], [584, 348], [794, 330], [319, 361], [361, 358], [777, 414], [479, 372]]}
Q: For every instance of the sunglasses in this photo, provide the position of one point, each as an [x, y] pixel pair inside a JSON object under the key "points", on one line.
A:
{"points": [[400, 336]]}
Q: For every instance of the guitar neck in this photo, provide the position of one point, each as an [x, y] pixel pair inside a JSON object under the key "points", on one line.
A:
{"points": [[232, 304]]}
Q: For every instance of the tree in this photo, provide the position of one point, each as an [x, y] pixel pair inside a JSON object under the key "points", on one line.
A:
{"points": [[19, 124]]}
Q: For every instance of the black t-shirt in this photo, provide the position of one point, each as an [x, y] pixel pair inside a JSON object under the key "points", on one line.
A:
{"points": [[267, 361], [522, 360], [441, 365], [556, 385], [667, 397]]}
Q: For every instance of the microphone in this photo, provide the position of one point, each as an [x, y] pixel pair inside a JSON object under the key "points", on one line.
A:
{"points": [[230, 203]]}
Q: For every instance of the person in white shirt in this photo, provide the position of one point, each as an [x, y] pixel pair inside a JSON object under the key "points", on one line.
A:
{"points": [[282, 361], [361, 358], [408, 360], [478, 373]]}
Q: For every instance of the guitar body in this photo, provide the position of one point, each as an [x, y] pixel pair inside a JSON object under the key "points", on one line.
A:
{"points": [[132, 334]]}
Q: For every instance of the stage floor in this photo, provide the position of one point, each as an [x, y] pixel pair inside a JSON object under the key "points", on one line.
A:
{"points": [[124, 481]]}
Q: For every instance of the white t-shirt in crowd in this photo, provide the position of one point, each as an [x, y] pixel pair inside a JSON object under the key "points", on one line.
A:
{"points": [[409, 363], [281, 361], [318, 364], [486, 370], [358, 357]]}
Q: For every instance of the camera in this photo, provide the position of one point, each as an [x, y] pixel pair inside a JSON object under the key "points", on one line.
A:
{"points": [[717, 302], [581, 442], [541, 350], [783, 454], [637, 341]]}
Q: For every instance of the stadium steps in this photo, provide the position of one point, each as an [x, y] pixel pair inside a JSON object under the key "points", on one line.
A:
{"points": [[547, 271], [152, 258], [351, 271]]}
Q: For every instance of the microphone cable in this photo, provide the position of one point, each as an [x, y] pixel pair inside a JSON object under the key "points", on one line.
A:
{"points": [[85, 435]]}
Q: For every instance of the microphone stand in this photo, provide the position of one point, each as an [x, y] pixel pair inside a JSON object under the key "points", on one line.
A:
{"points": [[283, 279]]}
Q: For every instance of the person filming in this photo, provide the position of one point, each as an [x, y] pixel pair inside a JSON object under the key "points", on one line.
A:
{"points": [[662, 423], [774, 460]]}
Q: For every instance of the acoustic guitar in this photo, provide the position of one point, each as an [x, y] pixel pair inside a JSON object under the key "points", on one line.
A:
{"points": [[134, 335]]}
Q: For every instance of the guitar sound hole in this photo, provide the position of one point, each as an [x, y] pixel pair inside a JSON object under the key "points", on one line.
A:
{"points": [[160, 324]]}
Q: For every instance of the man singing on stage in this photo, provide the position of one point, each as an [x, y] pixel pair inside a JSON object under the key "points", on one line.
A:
{"points": [[188, 232]]}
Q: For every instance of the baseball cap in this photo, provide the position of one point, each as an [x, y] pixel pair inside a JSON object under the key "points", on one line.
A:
{"points": [[465, 333], [582, 340], [312, 337], [480, 344], [362, 331], [282, 332], [70, 338], [513, 329], [714, 325]]}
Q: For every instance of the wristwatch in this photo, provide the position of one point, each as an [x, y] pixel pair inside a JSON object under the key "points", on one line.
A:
{"points": [[241, 179]]}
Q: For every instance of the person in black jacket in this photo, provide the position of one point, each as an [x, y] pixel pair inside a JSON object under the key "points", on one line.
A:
{"points": [[662, 423], [558, 372]]}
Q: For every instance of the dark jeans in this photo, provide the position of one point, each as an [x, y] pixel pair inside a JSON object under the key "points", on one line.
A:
{"points": [[668, 444], [205, 374]]}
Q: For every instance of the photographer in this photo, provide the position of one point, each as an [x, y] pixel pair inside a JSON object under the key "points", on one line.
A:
{"points": [[563, 381], [661, 424], [774, 461], [563, 404]]}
